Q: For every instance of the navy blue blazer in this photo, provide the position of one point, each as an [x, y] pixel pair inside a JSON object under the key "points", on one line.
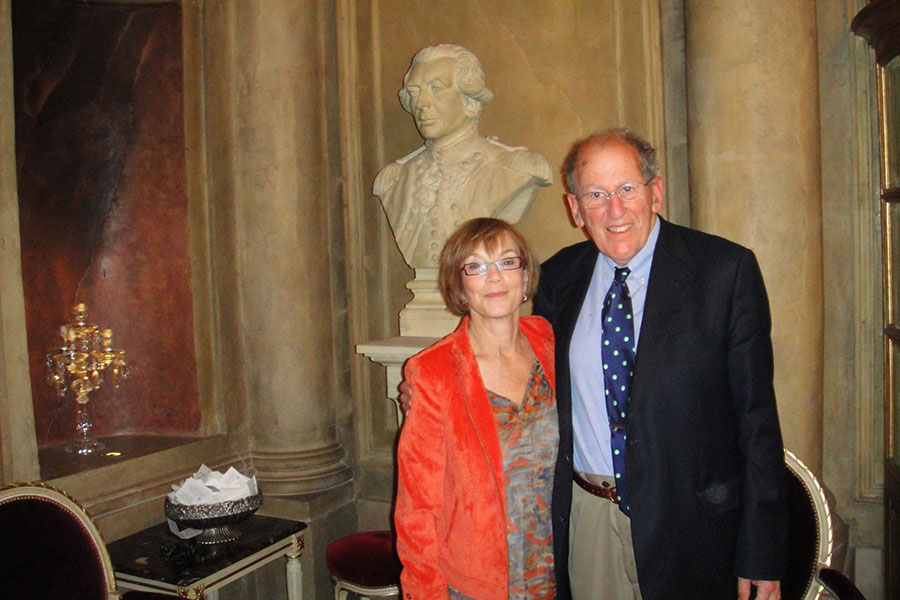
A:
{"points": [[704, 459]]}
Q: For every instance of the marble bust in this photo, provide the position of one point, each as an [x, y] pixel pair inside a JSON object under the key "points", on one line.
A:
{"points": [[456, 174]]}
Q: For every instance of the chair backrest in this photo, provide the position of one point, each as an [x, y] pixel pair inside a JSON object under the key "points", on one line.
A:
{"points": [[50, 547], [810, 536]]}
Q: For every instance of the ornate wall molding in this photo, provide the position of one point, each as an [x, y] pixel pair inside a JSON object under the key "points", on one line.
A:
{"points": [[869, 475], [878, 22], [367, 232]]}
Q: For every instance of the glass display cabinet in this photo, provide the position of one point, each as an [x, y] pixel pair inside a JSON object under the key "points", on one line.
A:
{"points": [[879, 24]]}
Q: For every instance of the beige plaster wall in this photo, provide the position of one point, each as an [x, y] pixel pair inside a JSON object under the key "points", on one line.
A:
{"points": [[565, 89], [559, 70]]}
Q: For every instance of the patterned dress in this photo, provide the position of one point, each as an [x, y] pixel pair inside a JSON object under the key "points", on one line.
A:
{"points": [[529, 439]]}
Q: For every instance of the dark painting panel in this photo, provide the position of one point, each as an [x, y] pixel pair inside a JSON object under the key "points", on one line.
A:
{"points": [[103, 205]]}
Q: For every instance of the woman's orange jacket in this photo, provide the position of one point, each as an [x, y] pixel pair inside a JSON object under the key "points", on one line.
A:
{"points": [[451, 504]]}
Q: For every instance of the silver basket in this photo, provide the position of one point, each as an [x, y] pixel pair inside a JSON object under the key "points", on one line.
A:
{"points": [[215, 520]]}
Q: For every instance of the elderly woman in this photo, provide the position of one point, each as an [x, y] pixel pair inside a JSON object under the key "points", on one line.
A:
{"points": [[477, 454]]}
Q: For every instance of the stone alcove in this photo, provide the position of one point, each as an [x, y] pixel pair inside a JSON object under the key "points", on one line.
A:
{"points": [[104, 216]]}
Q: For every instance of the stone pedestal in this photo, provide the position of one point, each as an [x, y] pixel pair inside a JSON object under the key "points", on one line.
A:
{"points": [[426, 315], [391, 353], [422, 322]]}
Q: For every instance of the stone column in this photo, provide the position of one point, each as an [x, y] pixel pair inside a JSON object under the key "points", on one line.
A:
{"points": [[18, 446], [286, 240], [753, 130]]}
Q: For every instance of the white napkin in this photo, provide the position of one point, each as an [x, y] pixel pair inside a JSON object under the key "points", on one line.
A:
{"points": [[210, 487]]}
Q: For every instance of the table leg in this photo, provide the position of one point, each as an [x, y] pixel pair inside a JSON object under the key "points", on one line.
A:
{"points": [[293, 569]]}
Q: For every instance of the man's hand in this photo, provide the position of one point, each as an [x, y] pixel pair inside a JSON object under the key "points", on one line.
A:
{"points": [[765, 590], [405, 398]]}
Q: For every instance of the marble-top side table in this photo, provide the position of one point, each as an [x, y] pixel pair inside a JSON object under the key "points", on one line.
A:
{"points": [[155, 560]]}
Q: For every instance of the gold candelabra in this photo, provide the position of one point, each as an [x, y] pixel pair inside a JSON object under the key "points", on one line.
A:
{"points": [[82, 363]]}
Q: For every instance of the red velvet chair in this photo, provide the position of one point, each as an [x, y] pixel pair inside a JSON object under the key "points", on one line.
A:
{"points": [[364, 563], [51, 548]]}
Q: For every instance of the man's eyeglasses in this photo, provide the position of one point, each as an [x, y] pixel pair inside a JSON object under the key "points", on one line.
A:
{"points": [[627, 192], [509, 263]]}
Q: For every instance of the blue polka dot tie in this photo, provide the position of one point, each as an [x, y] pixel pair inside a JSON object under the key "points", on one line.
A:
{"points": [[618, 369]]}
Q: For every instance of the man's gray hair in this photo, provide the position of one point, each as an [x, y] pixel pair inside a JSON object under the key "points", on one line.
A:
{"points": [[469, 77], [646, 152]]}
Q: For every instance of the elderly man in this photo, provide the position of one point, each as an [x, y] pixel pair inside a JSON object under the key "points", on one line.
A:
{"points": [[456, 174], [668, 423]]}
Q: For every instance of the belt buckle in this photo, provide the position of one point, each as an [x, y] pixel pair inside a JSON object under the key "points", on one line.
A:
{"points": [[613, 496], [607, 493]]}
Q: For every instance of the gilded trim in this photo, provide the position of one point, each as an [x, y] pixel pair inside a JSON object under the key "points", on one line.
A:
{"points": [[824, 532], [43, 491]]}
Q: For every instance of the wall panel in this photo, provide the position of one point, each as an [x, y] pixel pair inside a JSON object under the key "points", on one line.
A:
{"points": [[559, 70]]}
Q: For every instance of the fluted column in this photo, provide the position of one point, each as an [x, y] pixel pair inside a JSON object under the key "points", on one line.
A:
{"points": [[753, 130], [285, 233]]}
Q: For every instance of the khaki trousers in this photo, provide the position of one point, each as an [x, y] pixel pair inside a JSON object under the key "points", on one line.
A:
{"points": [[601, 554]]}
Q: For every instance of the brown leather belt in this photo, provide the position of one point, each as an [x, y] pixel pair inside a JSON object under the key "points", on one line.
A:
{"points": [[602, 492]]}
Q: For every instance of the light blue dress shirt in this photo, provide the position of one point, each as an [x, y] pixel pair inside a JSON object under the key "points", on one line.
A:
{"points": [[589, 420]]}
